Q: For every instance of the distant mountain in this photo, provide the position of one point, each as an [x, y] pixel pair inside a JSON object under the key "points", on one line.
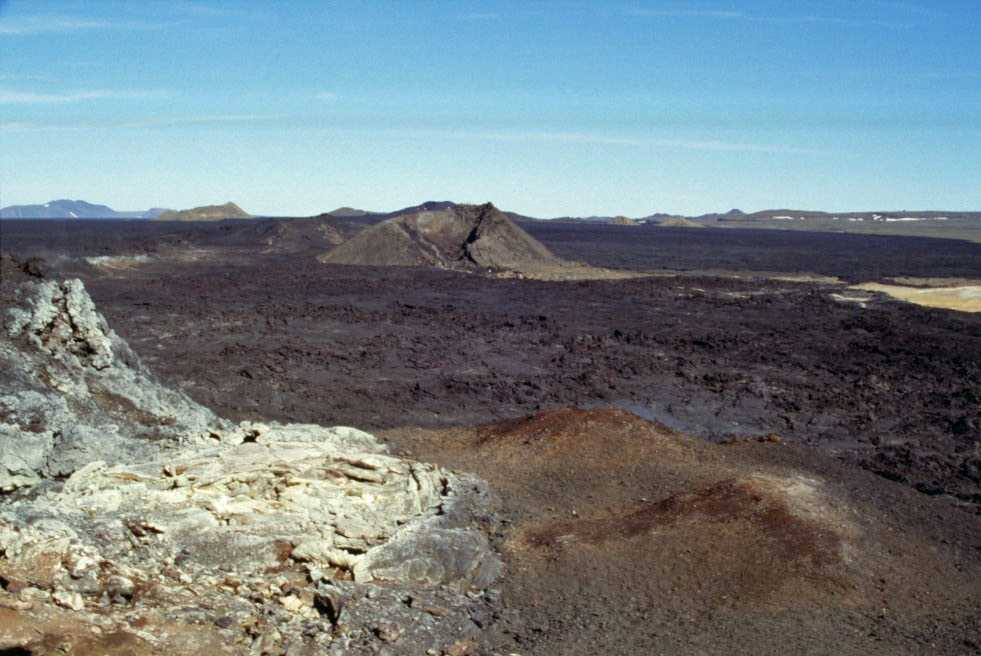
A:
{"points": [[206, 213], [347, 213], [73, 209], [619, 219], [428, 206], [731, 215], [911, 223], [657, 217]]}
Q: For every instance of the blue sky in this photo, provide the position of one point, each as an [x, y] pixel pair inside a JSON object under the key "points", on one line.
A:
{"points": [[546, 108]]}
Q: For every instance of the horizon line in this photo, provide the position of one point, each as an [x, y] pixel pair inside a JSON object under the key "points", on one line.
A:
{"points": [[734, 210]]}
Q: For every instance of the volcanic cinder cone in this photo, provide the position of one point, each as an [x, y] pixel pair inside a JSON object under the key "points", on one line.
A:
{"points": [[463, 237]]}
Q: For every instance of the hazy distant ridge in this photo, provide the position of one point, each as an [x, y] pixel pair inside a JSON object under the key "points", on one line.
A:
{"points": [[74, 209]]}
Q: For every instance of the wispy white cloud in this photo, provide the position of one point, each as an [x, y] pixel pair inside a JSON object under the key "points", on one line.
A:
{"points": [[23, 77], [731, 14], [830, 20], [13, 97], [48, 24], [685, 13], [479, 16], [600, 139], [30, 126], [214, 119], [199, 9], [909, 7], [583, 138], [183, 13], [327, 96], [734, 147], [946, 75], [141, 123], [16, 126]]}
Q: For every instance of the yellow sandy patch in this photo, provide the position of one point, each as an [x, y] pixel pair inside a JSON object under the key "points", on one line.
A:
{"points": [[962, 299], [910, 281], [807, 277]]}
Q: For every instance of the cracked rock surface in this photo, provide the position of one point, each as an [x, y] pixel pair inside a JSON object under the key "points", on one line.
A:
{"points": [[72, 391], [135, 518]]}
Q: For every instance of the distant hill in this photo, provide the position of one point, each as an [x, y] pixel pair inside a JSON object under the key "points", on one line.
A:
{"points": [[678, 222], [459, 237], [881, 216], [731, 215], [73, 209], [206, 213], [355, 213], [606, 220], [347, 213], [428, 206], [913, 223]]}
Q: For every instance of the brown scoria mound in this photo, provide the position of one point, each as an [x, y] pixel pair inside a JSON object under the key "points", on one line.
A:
{"points": [[462, 237], [627, 537]]}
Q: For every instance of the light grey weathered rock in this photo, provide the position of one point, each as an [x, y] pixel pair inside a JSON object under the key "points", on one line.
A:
{"points": [[72, 391], [137, 502]]}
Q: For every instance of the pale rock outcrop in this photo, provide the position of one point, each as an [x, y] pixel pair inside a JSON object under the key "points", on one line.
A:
{"points": [[133, 510], [72, 391]]}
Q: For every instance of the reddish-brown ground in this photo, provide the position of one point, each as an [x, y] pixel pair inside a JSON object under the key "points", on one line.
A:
{"points": [[626, 537]]}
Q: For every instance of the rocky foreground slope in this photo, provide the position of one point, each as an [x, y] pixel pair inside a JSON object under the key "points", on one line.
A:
{"points": [[136, 521]]}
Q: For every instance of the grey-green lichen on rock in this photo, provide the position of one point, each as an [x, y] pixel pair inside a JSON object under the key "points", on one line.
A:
{"points": [[125, 499], [72, 391]]}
